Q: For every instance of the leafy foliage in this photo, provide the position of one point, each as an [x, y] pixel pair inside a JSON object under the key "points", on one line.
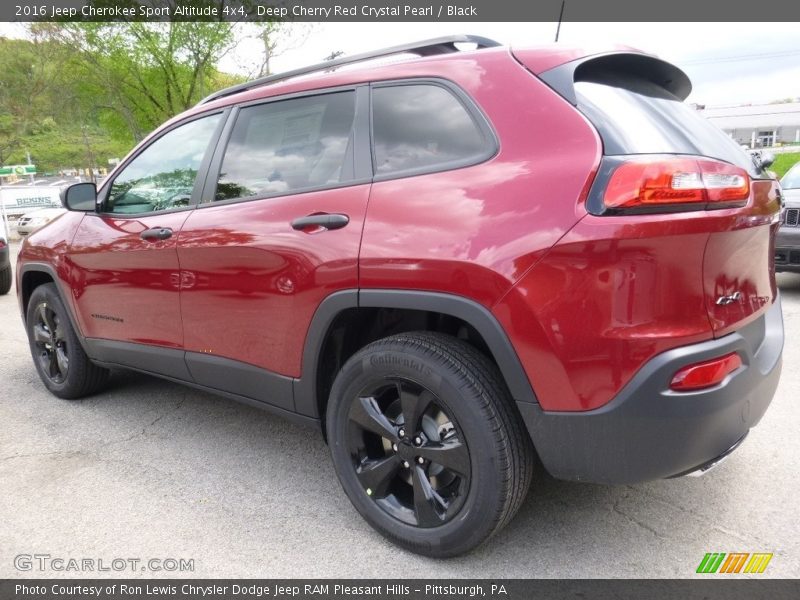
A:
{"points": [[76, 94], [29, 78], [141, 74]]}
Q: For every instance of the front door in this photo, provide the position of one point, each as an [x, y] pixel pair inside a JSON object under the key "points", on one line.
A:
{"points": [[124, 260]]}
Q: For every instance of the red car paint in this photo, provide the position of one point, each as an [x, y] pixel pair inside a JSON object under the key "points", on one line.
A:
{"points": [[258, 281], [585, 300]]}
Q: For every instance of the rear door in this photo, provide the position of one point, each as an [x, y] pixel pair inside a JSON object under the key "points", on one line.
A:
{"points": [[280, 231], [124, 258]]}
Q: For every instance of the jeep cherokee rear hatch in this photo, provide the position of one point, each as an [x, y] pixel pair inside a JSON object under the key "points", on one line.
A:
{"points": [[661, 157]]}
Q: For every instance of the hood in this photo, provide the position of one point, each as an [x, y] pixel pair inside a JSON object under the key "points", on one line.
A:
{"points": [[48, 213]]}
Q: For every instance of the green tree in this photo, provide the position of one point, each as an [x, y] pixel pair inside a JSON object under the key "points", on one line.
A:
{"points": [[145, 73], [28, 85], [75, 94]]}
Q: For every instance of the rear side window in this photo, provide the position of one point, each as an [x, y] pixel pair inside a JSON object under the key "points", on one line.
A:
{"points": [[423, 127], [636, 116], [289, 145]]}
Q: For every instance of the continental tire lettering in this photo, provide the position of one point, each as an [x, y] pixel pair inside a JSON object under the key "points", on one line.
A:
{"points": [[392, 360]]}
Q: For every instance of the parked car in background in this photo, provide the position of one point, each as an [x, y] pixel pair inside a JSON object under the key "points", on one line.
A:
{"points": [[449, 265], [787, 243], [31, 221], [5, 262]]}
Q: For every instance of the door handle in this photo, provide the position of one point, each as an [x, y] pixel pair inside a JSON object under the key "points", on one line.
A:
{"points": [[156, 233], [323, 220]]}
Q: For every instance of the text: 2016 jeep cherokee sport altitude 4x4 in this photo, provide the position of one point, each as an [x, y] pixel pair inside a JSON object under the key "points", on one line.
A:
{"points": [[447, 262]]}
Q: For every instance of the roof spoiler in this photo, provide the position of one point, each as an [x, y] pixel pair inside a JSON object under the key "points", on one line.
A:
{"points": [[604, 67]]}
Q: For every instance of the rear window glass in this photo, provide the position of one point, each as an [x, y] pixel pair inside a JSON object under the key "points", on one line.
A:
{"points": [[635, 116]]}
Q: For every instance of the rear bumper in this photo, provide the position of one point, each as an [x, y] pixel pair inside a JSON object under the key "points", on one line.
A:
{"points": [[649, 432], [787, 249]]}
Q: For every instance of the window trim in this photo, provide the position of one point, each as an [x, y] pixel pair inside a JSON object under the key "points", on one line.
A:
{"points": [[105, 189], [362, 161], [478, 117]]}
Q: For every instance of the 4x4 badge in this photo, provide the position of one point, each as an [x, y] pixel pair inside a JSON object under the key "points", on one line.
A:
{"points": [[725, 300]]}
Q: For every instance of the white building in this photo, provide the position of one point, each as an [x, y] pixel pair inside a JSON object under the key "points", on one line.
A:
{"points": [[758, 125]]}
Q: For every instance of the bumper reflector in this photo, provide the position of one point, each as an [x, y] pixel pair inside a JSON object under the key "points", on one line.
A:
{"points": [[705, 374]]}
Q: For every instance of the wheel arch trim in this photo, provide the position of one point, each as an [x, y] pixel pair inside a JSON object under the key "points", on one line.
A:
{"points": [[48, 269], [469, 311]]}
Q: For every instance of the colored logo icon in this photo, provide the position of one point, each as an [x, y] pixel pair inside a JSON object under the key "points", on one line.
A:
{"points": [[734, 562]]}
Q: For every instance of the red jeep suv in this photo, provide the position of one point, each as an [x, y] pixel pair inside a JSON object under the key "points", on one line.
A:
{"points": [[455, 265]]}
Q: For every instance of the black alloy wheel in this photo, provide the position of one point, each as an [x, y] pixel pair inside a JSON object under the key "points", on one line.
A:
{"points": [[50, 341], [58, 356], [407, 452], [428, 443]]}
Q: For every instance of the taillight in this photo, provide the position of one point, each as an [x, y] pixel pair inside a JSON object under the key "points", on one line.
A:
{"points": [[675, 183], [705, 374]]}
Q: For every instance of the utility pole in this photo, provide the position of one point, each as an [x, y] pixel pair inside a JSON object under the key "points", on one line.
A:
{"points": [[89, 152], [28, 154]]}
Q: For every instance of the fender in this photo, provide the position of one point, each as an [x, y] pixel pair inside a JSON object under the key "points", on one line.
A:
{"points": [[38, 267], [467, 310]]}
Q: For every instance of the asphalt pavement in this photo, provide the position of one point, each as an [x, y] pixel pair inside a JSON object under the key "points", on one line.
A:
{"points": [[150, 470]]}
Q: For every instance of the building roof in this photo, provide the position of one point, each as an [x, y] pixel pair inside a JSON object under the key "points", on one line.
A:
{"points": [[754, 116]]}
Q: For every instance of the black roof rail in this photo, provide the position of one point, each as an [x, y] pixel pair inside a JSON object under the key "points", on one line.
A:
{"points": [[440, 45]]}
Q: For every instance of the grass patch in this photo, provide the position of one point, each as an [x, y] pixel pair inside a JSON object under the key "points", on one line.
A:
{"points": [[784, 162]]}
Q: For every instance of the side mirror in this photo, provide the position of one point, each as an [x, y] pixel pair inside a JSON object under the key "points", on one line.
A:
{"points": [[80, 197]]}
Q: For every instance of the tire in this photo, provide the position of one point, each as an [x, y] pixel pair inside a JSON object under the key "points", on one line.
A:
{"points": [[461, 413], [5, 280], [59, 358]]}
